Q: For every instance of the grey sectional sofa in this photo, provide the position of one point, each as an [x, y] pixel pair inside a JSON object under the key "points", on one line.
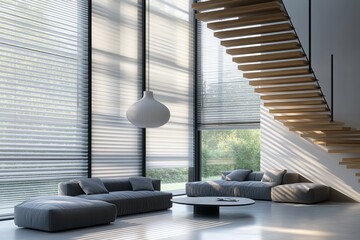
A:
{"points": [[105, 200], [253, 187], [121, 194]]}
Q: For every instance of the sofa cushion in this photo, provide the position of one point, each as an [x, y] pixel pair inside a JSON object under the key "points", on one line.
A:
{"points": [[224, 174], [141, 184], [56, 213], [92, 186], [273, 175], [300, 193], [237, 175], [254, 190], [210, 188], [130, 202]]}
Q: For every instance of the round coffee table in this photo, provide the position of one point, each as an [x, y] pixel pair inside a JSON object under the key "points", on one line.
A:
{"points": [[211, 205]]}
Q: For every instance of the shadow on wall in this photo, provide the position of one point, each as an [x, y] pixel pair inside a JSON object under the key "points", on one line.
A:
{"points": [[283, 149]]}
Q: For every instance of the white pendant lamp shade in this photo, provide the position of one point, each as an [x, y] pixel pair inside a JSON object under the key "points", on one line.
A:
{"points": [[147, 112]]}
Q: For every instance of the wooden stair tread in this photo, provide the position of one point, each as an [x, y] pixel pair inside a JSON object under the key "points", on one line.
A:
{"points": [[273, 65], [279, 73], [341, 144], [313, 123], [299, 110], [351, 160], [214, 4], [258, 40], [238, 11], [344, 141], [353, 166], [270, 57], [316, 128], [329, 137], [264, 48], [293, 103], [303, 116], [346, 150], [247, 21], [286, 88], [291, 96], [347, 132], [254, 30], [281, 81]]}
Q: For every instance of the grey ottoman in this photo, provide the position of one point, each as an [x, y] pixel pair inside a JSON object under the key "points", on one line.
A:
{"points": [[300, 193], [58, 213]]}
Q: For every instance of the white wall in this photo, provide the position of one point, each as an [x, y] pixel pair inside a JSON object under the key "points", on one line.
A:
{"points": [[335, 30]]}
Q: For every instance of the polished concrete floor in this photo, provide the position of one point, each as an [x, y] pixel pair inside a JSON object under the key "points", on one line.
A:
{"points": [[262, 221]]}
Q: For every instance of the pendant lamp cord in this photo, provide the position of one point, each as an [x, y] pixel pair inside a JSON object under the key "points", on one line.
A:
{"points": [[148, 45]]}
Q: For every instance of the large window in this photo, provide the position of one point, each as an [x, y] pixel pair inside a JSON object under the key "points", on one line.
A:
{"points": [[170, 149], [43, 97], [116, 84], [228, 111], [227, 150]]}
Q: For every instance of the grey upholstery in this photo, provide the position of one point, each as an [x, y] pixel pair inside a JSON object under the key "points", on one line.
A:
{"points": [[141, 183], [92, 186], [122, 195], [300, 193], [251, 189], [58, 213], [237, 175], [131, 202]]}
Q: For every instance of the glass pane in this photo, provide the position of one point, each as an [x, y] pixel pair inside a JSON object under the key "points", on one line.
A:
{"points": [[223, 150]]}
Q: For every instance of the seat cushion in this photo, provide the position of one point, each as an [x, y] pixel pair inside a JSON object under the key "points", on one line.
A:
{"points": [[254, 190], [130, 202], [58, 213], [210, 188], [300, 193]]}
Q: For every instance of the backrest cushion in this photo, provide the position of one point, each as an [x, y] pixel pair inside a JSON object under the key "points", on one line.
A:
{"points": [[274, 175], [238, 175], [141, 184], [254, 176], [290, 178], [224, 174], [70, 188], [92, 186]]}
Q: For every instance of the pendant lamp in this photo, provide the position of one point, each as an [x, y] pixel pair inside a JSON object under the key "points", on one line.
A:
{"points": [[148, 112]]}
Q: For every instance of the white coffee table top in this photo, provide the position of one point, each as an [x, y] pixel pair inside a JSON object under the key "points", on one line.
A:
{"points": [[212, 201]]}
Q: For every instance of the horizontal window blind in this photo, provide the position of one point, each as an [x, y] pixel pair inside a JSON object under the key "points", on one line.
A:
{"points": [[43, 97], [171, 78], [224, 97], [116, 84]]}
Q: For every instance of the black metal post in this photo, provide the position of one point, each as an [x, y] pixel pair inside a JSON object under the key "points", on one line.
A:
{"points": [[310, 35], [144, 66], [332, 87], [197, 133], [89, 89]]}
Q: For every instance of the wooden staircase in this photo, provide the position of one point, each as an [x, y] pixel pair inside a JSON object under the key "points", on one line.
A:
{"points": [[261, 38]]}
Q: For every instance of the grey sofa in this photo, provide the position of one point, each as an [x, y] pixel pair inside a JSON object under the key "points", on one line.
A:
{"points": [[122, 196], [73, 208], [253, 187]]}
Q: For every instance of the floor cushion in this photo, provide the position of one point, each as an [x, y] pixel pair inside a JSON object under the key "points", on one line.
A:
{"points": [[58, 213]]}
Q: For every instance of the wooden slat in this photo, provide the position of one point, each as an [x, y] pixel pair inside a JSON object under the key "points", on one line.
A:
{"points": [[247, 21], [316, 128], [238, 11], [313, 123], [281, 81], [258, 40], [322, 136], [298, 110], [347, 132], [291, 96], [280, 73], [358, 175], [353, 166], [293, 103], [215, 4], [351, 160], [273, 65], [341, 144], [286, 88], [351, 150], [254, 30], [270, 57], [336, 141], [303, 116], [263, 49]]}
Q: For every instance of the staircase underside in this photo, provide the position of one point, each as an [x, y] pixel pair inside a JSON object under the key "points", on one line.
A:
{"points": [[261, 39]]}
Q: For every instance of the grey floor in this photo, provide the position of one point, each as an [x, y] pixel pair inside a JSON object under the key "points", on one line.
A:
{"points": [[263, 220]]}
